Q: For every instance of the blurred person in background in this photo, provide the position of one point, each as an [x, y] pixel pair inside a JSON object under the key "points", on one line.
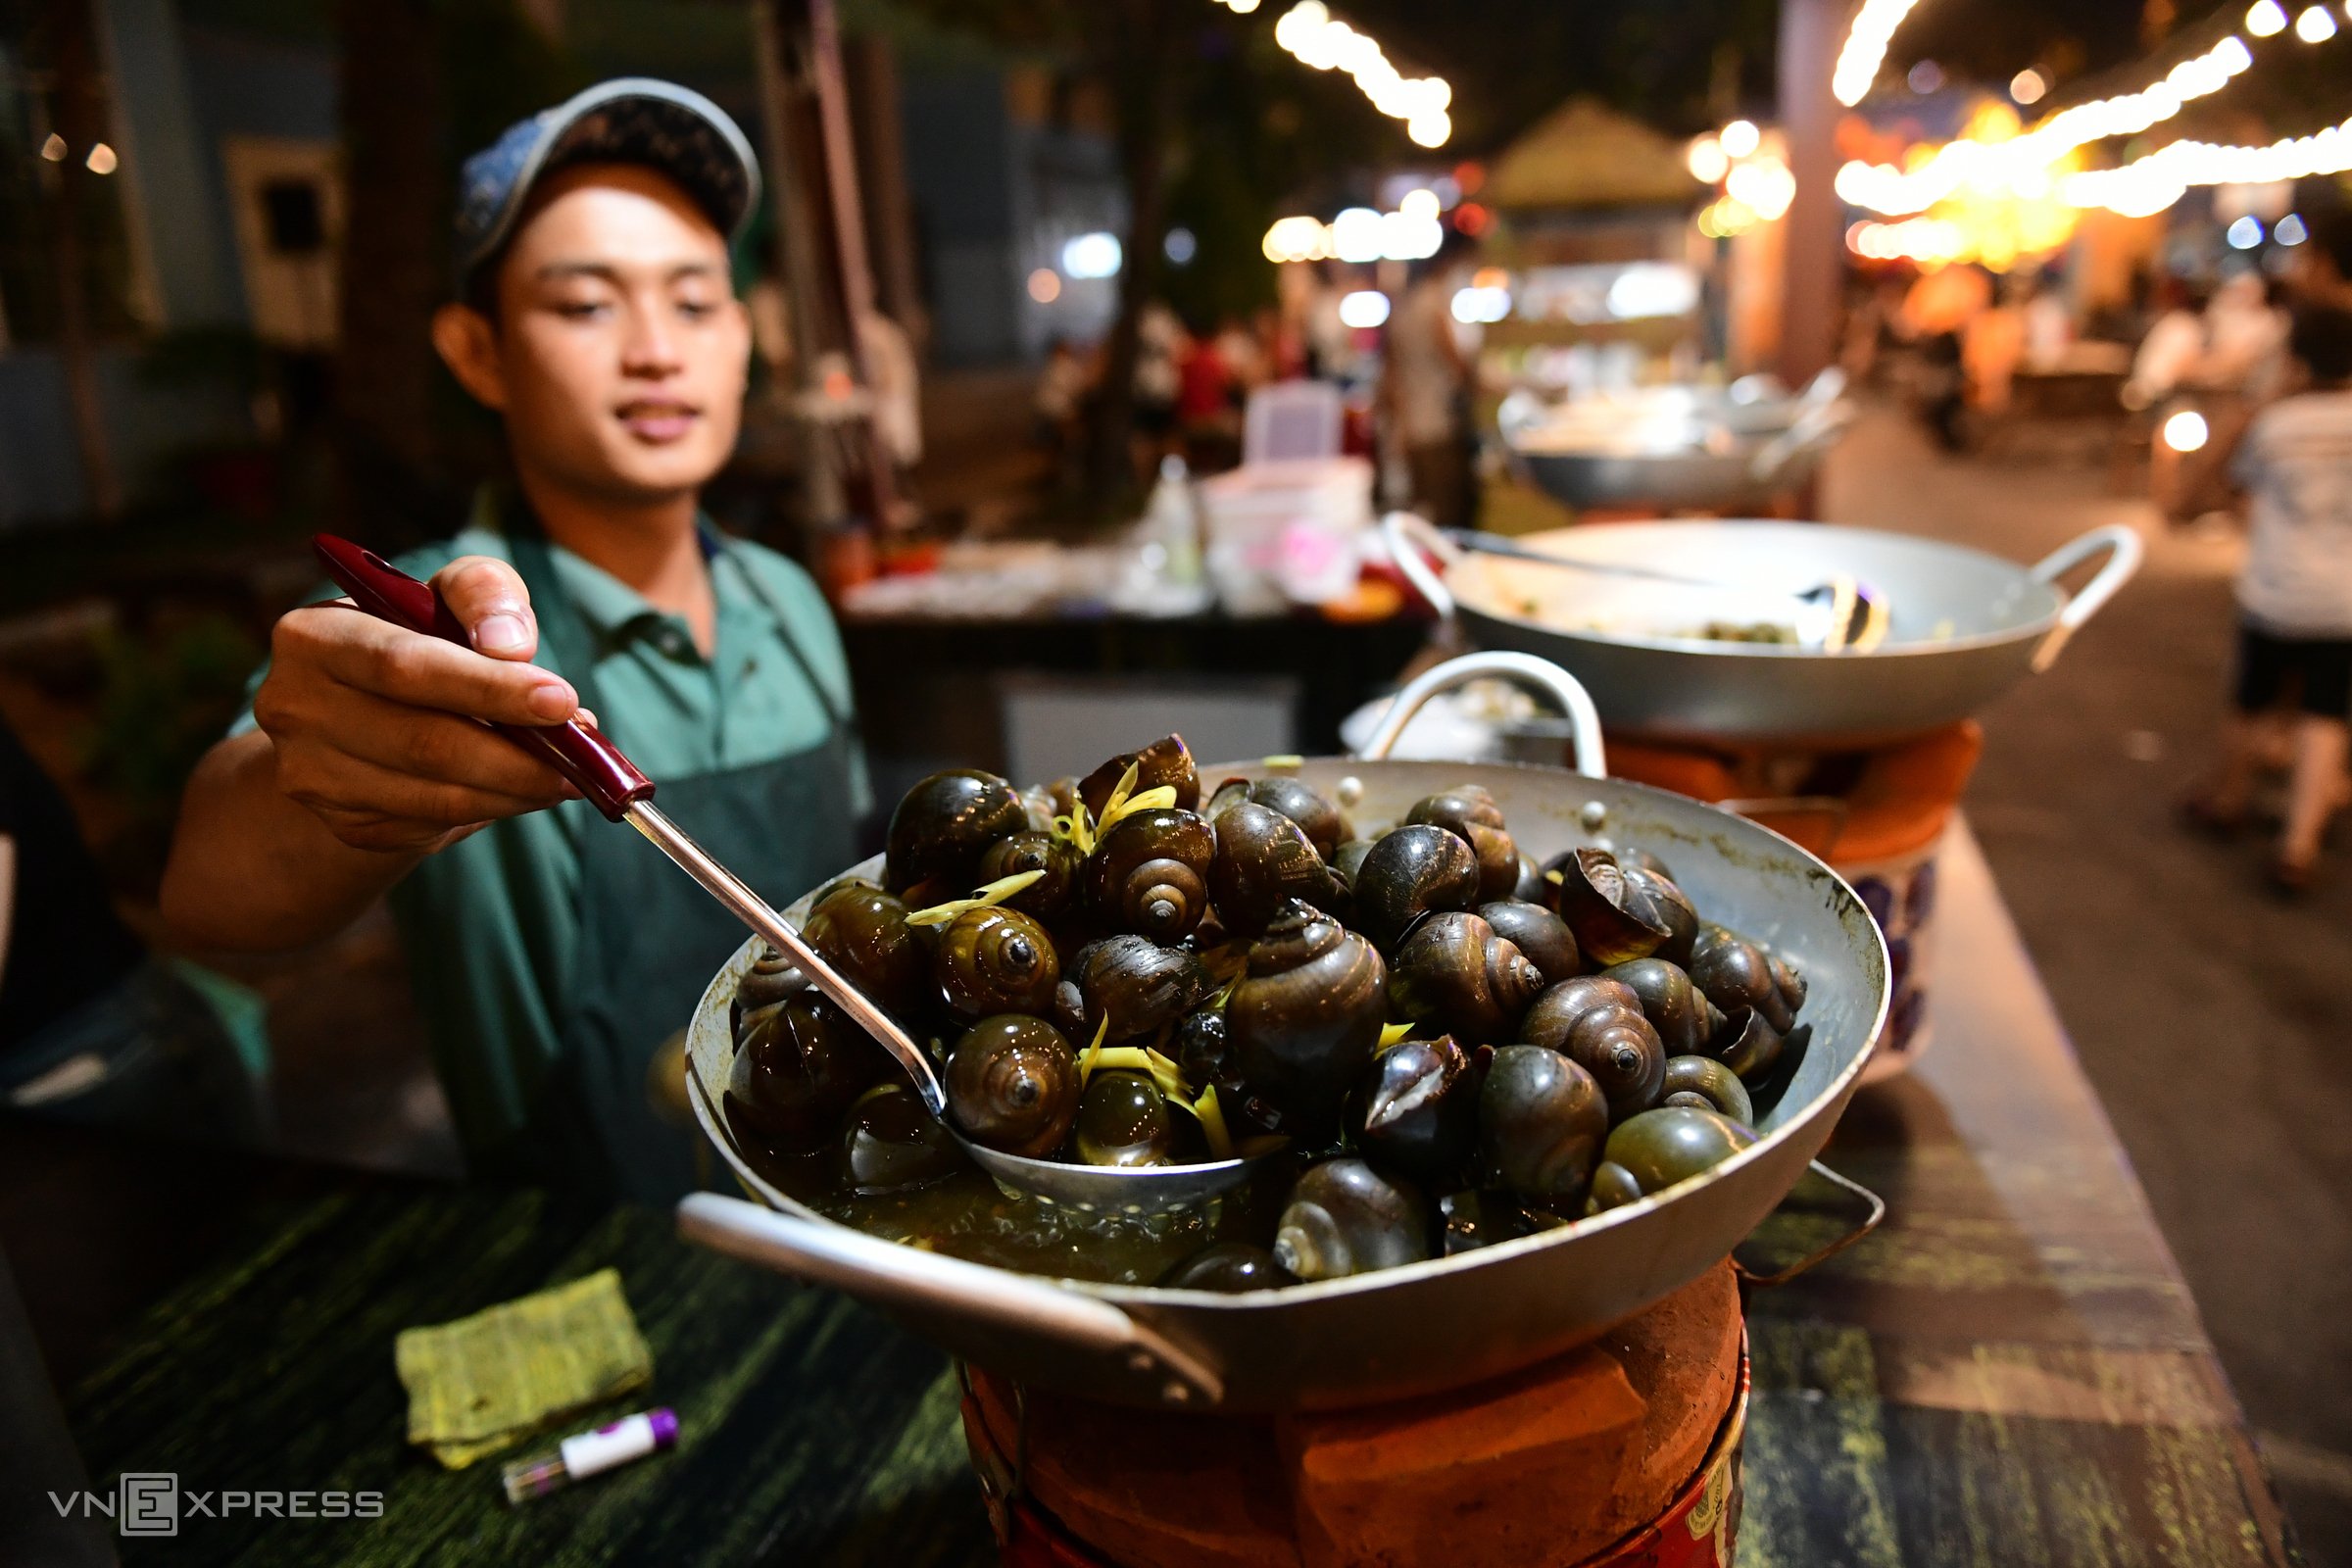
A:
{"points": [[1991, 344], [93, 1028], [1330, 342], [1427, 389], [2294, 598], [1160, 345], [1936, 314], [551, 955], [2322, 274], [2173, 347], [1060, 399]]}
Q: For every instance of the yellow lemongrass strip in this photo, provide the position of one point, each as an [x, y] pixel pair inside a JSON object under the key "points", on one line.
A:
{"points": [[1167, 1075], [1078, 827], [1211, 1117], [1118, 794], [1093, 1054], [1149, 800], [1393, 1034], [984, 897]]}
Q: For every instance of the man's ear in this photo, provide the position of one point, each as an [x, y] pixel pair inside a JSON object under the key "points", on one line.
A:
{"points": [[467, 344]]}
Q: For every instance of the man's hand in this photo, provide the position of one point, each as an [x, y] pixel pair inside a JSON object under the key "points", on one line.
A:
{"points": [[375, 728]]}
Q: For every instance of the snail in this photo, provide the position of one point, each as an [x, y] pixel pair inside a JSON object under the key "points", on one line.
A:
{"points": [[1454, 974], [1229, 1268], [1735, 973], [891, 1144], [1264, 861], [1641, 859], [1349, 859], [1541, 1121], [1685, 1020], [1012, 1085], [862, 932], [1123, 1121], [1749, 1045], [797, 1073], [1658, 899], [994, 959], [944, 825], [1469, 812], [1409, 872], [769, 980], [1141, 985], [1477, 1217], [1590, 892], [1708, 1084], [1150, 874], [1650, 1153], [1303, 1020], [1344, 1217], [1323, 824], [1599, 1024], [1165, 761], [1417, 1110], [1543, 936], [1054, 896], [1204, 1051]]}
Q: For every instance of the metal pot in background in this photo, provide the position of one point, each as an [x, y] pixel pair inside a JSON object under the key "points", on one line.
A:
{"points": [[1965, 625], [1365, 1339]]}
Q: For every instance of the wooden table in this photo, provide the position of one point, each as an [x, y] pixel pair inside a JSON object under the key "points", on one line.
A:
{"points": [[2011, 1371]]}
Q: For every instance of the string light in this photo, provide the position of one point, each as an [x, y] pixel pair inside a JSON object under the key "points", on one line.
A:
{"points": [[1411, 233], [1866, 48], [2150, 184], [1707, 160], [2265, 19], [1315, 37], [2022, 161], [54, 149], [102, 159], [2026, 86], [2315, 25], [1739, 138]]}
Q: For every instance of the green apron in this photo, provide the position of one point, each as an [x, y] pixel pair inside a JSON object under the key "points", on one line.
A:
{"points": [[650, 938]]}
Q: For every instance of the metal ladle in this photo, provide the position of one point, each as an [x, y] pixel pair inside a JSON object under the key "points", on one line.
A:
{"points": [[614, 786]]}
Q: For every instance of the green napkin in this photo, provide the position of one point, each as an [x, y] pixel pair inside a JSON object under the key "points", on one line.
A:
{"points": [[486, 1381]]}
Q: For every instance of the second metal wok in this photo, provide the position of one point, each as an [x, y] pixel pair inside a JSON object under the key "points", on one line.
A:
{"points": [[1428, 1326], [1965, 627]]}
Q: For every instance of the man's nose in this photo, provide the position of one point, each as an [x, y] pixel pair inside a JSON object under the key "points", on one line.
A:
{"points": [[651, 347]]}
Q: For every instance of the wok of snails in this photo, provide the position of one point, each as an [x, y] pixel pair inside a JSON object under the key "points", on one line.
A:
{"points": [[1455, 1046]]}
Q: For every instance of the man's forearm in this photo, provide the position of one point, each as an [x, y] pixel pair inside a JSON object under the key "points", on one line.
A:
{"points": [[253, 869]]}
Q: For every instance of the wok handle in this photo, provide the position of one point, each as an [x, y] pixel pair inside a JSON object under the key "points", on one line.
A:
{"points": [[1407, 538], [1524, 669], [2125, 552], [575, 750], [1875, 1211], [886, 1274]]}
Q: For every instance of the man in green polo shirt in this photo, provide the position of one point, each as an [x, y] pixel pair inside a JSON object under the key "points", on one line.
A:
{"points": [[553, 954]]}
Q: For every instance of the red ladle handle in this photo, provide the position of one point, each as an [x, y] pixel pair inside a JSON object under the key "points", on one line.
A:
{"points": [[575, 750]]}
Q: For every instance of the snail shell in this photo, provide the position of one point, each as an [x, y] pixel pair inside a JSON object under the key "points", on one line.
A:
{"points": [[1056, 891], [943, 825], [1454, 974], [1672, 1144], [1229, 1267], [1749, 1046], [1735, 973], [1407, 873], [1012, 1085], [1598, 1024], [1323, 824], [1419, 1108], [1705, 1082], [1150, 874], [1166, 761], [1124, 1122], [1470, 813], [1632, 858], [1141, 985], [1204, 1050], [1303, 1021], [995, 959], [798, 1071], [1264, 861], [1656, 899], [891, 1144], [1543, 936], [1344, 1217], [1685, 1020], [862, 932], [1589, 892], [1541, 1121], [1613, 1187]]}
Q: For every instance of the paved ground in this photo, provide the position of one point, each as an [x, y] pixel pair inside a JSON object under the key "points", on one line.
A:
{"points": [[2212, 1018]]}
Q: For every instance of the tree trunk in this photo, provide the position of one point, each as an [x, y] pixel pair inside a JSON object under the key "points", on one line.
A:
{"points": [[81, 118], [394, 267], [1144, 72]]}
